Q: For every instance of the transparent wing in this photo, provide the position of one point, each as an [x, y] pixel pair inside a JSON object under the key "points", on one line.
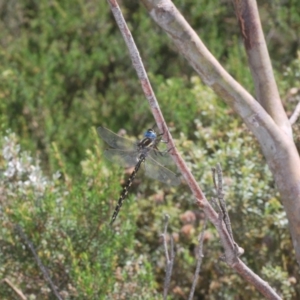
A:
{"points": [[162, 157], [114, 140], [122, 157], [159, 172]]}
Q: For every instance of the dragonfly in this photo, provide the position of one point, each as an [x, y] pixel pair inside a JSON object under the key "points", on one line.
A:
{"points": [[128, 153]]}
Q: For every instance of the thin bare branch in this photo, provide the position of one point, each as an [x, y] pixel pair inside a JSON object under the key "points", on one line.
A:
{"points": [[43, 269], [223, 212], [294, 117], [266, 89], [164, 236], [219, 83], [199, 260], [260, 284], [214, 178], [233, 261], [215, 205], [170, 261], [17, 291], [198, 193], [148, 91], [222, 202], [278, 147]]}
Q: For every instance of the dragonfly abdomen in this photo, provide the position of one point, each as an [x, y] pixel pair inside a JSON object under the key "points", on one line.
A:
{"points": [[128, 153], [126, 188]]}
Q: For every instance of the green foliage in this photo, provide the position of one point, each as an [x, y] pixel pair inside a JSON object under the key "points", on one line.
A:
{"points": [[64, 71], [258, 220], [279, 278], [68, 226]]}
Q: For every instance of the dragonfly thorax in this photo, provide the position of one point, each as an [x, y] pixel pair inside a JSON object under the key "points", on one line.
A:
{"points": [[150, 134], [148, 142]]}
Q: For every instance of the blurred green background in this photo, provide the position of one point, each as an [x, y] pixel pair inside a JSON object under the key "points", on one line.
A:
{"points": [[64, 71]]}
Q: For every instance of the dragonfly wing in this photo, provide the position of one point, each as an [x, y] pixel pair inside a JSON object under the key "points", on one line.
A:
{"points": [[163, 157], [157, 171], [122, 157], [114, 140]]}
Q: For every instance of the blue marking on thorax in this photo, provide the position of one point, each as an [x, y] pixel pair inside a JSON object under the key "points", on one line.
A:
{"points": [[150, 134]]}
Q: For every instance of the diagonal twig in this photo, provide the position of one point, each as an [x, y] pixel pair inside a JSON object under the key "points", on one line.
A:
{"points": [[15, 289], [295, 114], [274, 140], [199, 260], [169, 258], [247, 112], [223, 212], [220, 195], [43, 269]]}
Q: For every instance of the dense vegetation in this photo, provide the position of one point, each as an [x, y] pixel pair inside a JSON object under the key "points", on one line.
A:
{"points": [[64, 71]]}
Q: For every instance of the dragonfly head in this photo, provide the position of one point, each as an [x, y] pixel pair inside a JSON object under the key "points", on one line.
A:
{"points": [[151, 134]]}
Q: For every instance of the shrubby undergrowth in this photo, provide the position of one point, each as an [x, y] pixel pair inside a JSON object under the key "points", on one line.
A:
{"points": [[64, 71], [68, 227]]}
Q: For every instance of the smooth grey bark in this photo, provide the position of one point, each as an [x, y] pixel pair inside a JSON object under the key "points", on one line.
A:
{"points": [[269, 127]]}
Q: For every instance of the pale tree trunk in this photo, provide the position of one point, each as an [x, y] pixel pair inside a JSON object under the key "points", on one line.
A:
{"points": [[265, 115]]}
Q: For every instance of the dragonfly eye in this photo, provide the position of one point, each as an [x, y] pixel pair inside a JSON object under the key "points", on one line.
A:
{"points": [[151, 134]]}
